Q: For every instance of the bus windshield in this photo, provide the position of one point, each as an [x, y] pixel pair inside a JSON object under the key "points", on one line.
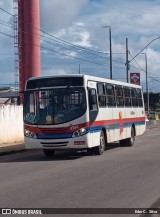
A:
{"points": [[54, 106]]}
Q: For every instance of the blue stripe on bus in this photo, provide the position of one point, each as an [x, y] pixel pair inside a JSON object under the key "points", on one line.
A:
{"points": [[55, 136]]}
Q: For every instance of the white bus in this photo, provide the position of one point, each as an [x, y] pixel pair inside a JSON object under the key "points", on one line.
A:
{"points": [[81, 112]]}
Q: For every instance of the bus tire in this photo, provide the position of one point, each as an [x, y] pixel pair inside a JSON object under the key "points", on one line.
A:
{"points": [[130, 141], [98, 150], [48, 152], [123, 142]]}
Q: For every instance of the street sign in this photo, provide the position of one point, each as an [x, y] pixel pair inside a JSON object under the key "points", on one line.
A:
{"points": [[135, 78]]}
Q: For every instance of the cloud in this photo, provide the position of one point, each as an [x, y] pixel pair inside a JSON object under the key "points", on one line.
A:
{"points": [[7, 4], [77, 34], [50, 71], [153, 61], [58, 14], [80, 22]]}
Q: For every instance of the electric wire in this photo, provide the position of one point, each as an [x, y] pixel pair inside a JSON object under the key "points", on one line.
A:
{"points": [[145, 71], [62, 53], [61, 41]]}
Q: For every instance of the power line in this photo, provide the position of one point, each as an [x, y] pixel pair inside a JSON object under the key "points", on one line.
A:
{"points": [[144, 70], [51, 50], [3, 33], [65, 43], [71, 46], [50, 42], [144, 48], [64, 54], [56, 38], [5, 23], [58, 51]]}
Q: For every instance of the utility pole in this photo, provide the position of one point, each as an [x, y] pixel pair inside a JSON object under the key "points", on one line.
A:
{"points": [[110, 50], [79, 69], [145, 47], [146, 68], [147, 84], [127, 62]]}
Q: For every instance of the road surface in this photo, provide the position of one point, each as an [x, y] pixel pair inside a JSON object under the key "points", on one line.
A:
{"points": [[124, 177]]}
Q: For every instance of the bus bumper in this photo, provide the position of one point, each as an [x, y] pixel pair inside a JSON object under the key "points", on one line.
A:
{"points": [[80, 142]]}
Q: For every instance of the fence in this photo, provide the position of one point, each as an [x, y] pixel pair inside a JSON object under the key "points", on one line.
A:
{"points": [[11, 124]]}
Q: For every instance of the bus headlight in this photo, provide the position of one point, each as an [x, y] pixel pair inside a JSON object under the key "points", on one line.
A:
{"points": [[30, 134], [79, 132]]}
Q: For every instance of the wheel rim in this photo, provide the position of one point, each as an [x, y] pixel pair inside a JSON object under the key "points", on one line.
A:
{"points": [[102, 142], [132, 136]]}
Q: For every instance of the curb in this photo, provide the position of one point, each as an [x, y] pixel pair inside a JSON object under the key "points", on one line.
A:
{"points": [[6, 148]]}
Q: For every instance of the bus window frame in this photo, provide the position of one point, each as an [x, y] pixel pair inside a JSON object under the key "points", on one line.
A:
{"points": [[113, 95], [127, 97], [101, 95], [121, 97], [136, 97], [140, 91]]}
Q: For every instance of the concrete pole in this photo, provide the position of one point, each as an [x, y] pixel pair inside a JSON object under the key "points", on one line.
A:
{"points": [[29, 40]]}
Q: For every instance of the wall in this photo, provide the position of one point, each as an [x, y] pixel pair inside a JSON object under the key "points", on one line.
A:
{"points": [[11, 124]]}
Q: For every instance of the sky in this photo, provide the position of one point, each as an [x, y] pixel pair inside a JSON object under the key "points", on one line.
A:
{"points": [[82, 24]]}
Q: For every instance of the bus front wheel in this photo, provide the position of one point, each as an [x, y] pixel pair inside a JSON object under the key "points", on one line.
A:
{"points": [[129, 142], [48, 152], [98, 150]]}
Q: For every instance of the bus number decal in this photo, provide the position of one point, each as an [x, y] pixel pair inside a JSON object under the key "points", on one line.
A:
{"points": [[73, 127], [30, 118]]}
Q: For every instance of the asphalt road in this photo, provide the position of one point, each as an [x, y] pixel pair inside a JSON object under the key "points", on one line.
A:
{"points": [[123, 177]]}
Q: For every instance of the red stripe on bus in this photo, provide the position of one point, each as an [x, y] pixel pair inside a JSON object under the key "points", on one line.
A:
{"points": [[70, 128], [73, 128], [117, 121]]}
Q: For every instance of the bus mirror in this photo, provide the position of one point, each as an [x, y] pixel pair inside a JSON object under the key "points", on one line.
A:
{"points": [[93, 99]]}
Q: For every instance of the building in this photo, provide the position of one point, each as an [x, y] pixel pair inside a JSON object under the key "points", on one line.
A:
{"points": [[8, 96], [154, 100]]}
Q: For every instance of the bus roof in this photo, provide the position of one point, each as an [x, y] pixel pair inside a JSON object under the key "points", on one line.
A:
{"points": [[88, 77]]}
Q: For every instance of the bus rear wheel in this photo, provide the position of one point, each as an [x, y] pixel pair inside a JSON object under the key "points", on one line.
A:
{"points": [[48, 152], [98, 150], [129, 142]]}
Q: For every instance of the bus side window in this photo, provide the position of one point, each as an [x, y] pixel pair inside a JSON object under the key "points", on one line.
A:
{"points": [[119, 96], [92, 99], [127, 96], [101, 95], [134, 97], [110, 95], [140, 100]]}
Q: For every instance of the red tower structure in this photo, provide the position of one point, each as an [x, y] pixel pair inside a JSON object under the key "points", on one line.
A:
{"points": [[29, 40]]}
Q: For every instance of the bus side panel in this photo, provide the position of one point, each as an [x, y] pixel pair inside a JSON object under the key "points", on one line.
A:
{"points": [[106, 117], [94, 138], [118, 128], [142, 128], [106, 121], [95, 129], [140, 124], [130, 117]]}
